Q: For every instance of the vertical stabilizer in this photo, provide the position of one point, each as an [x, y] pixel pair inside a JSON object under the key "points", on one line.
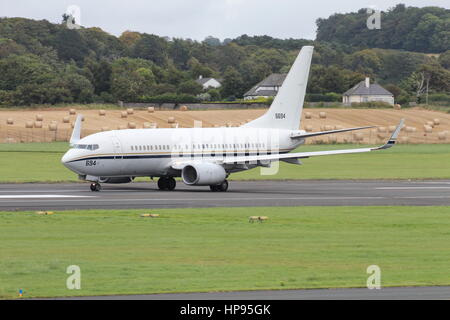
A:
{"points": [[286, 109]]}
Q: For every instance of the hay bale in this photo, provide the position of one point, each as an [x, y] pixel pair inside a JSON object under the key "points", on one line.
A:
{"points": [[430, 123], [228, 124], [308, 115], [146, 125], [427, 129], [52, 126], [328, 128], [66, 119], [171, 120], [381, 135], [72, 124], [102, 113], [263, 218], [410, 129], [332, 138], [436, 121], [392, 128], [404, 139], [39, 117], [38, 124], [442, 135], [397, 106], [104, 128], [358, 136], [29, 124], [309, 128], [123, 114], [151, 109], [121, 127], [174, 125], [130, 111], [72, 112], [44, 213], [322, 115], [381, 129], [183, 108], [131, 125], [338, 127]]}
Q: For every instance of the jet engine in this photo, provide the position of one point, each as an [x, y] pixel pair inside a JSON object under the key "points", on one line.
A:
{"points": [[203, 174]]}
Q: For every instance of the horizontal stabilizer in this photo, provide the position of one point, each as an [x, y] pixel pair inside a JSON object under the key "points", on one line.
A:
{"points": [[320, 133]]}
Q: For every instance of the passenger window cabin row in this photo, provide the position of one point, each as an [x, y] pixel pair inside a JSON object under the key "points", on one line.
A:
{"points": [[214, 146]]}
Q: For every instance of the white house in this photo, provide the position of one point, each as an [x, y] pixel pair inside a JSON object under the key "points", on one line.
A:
{"points": [[267, 88], [366, 92], [208, 82]]}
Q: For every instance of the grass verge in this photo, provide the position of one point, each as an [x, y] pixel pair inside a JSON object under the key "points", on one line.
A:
{"points": [[218, 249]]}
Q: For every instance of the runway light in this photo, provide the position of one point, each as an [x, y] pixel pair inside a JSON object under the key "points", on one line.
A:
{"points": [[44, 213], [150, 215]]}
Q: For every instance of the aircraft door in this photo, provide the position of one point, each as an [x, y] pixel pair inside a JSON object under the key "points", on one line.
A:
{"points": [[118, 155]]}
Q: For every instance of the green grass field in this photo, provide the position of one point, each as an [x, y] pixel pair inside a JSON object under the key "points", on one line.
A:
{"points": [[33, 162], [218, 249]]}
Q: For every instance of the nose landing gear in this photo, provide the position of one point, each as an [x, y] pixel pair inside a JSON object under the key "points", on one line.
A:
{"points": [[95, 187], [167, 183]]}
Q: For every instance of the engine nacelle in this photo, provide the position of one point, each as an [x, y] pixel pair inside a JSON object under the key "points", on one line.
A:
{"points": [[115, 180], [203, 174]]}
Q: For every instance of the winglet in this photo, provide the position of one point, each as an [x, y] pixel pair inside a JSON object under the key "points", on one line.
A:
{"points": [[76, 133], [393, 139]]}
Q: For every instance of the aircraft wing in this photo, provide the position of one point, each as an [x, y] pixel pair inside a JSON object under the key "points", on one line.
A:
{"points": [[314, 134], [300, 155]]}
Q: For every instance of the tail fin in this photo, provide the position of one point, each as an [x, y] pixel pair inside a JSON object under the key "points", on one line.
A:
{"points": [[76, 133], [286, 109]]}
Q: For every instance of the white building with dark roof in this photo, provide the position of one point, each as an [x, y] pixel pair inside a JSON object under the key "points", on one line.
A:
{"points": [[367, 92], [208, 82], [267, 88]]}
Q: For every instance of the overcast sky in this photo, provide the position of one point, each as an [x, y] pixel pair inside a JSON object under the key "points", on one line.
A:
{"points": [[197, 19]]}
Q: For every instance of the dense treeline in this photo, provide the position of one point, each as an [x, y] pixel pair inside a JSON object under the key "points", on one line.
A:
{"points": [[409, 28], [41, 62]]}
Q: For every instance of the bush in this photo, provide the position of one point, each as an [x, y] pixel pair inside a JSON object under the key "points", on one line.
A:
{"points": [[325, 97], [169, 98], [371, 105]]}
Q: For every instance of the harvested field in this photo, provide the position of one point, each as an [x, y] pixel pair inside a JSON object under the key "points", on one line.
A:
{"points": [[19, 129]]}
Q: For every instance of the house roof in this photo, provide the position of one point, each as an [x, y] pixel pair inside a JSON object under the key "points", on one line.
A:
{"points": [[202, 81], [274, 80], [361, 90]]}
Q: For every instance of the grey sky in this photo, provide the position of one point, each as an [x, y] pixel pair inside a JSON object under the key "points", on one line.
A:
{"points": [[197, 19]]}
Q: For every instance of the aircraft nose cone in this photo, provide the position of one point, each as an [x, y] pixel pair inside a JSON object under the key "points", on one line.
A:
{"points": [[66, 158]]}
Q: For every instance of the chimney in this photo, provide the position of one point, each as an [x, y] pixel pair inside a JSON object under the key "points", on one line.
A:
{"points": [[367, 82]]}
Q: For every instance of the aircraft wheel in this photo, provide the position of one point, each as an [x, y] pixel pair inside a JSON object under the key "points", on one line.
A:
{"points": [[95, 187], [223, 186], [214, 188], [171, 184], [163, 183]]}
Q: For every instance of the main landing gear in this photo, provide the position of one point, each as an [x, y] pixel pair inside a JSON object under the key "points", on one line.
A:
{"points": [[220, 187], [167, 183], [95, 186]]}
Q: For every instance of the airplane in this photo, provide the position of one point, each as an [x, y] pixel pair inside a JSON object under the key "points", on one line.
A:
{"points": [[205, 156]]}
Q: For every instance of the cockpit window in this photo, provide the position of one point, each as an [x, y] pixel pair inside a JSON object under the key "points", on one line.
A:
{"points": [[86, 146]]}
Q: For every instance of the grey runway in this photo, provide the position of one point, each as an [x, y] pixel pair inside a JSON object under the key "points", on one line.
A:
{"points": [[394, 293], [65, 196]]}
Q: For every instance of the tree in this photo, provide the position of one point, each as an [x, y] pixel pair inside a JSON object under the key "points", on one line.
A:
{"points": [[444, 59], [232, 83], [151, 47], [190, 87], [131, 79]]}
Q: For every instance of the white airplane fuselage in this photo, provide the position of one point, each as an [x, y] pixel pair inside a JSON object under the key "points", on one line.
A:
{"points": [[151, 152]]}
